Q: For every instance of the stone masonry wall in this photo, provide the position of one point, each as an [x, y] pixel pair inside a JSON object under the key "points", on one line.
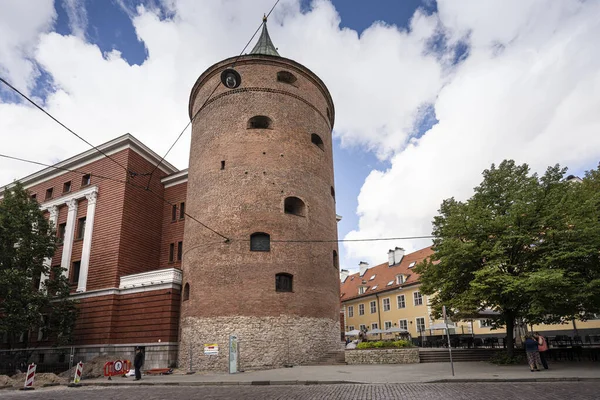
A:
{"points": [[264, 342], [382, 356]]}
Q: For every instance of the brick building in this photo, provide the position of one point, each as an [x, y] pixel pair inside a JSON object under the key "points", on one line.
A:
{"points": [[261, 174]]}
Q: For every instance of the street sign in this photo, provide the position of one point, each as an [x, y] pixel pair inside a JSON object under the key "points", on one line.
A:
{"points": [[211, 349]]}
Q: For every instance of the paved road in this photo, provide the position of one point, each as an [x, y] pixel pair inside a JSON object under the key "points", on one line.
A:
{"points": [[431, 391]]}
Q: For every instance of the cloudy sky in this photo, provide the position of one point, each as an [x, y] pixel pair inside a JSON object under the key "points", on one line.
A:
{"points": [[427, 93]]}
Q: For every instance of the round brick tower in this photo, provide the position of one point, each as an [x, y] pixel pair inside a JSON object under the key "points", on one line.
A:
{"points": [[261, 174]]}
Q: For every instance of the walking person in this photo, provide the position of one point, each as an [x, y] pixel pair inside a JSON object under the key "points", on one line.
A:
{"points": [[542, 348], [137, 363], [533, 354]]}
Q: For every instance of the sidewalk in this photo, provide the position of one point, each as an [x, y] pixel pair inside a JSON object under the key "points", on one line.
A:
{"points": [[397, 373]]}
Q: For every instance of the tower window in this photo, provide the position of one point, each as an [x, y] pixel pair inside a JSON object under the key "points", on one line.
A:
{"points": [[223, 164], [293, 205], [333, 192], [186, 292], [260, 241], [286, 77], [260, 122], [336, 264], [283, 282], [317, 141]]}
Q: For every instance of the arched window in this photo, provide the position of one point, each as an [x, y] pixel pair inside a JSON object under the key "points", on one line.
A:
{"points": [[293, 205], [317, 141], [336, 264], [260, 122], [333, 192], [286, 77], [260, 241], [283, 282], [186, 292]]}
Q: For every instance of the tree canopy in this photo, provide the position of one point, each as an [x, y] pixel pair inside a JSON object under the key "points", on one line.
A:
{"points": [[524, 245], [27, 239]]}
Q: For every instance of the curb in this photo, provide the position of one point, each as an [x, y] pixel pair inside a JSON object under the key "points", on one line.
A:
{"points": [[525, 380], [223, 383]]}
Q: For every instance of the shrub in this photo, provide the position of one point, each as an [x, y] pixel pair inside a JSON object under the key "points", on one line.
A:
{"points": [[381, 344], [503, 358]]}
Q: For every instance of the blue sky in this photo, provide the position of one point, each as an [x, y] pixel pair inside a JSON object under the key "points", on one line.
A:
{"points": [[427, 93]]}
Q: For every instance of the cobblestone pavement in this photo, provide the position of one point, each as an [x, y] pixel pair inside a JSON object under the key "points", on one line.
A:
{"points": [[433, 391]]}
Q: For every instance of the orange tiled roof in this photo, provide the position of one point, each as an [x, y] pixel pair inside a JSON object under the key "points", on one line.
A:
{"points": [[383, 275]]}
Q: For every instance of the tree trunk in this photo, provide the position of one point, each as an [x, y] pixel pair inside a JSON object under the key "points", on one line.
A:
{"points": [[510, 327]]}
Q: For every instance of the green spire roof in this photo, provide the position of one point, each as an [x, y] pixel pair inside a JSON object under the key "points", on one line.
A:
{"points": [[264, 44]]}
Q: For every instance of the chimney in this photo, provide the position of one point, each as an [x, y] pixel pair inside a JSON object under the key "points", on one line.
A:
{"points": [[363, 266], [390, 258], [344, 275], [398, 255]]}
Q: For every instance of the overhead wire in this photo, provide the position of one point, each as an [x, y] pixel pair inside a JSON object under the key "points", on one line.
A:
{"points": [[63, 125], [208, 98]]}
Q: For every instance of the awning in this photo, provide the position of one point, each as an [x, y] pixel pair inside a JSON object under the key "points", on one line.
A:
{"points": [[375, 332], [395, 330], [440, 326], [355, 332]]}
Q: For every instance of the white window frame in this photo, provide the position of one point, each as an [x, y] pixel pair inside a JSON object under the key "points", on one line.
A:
{"points": [[389, 305], [373, 306], [386, 323], [400, 279], [362, 327], [405, 324], [403, 301], [374, 325], [417, 324], [361, 309], [350, 328], [350, 311], [362, 289], [415, 298]]}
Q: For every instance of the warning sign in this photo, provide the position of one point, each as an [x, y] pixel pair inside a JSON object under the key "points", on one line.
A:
{"points": [[211, 349]]}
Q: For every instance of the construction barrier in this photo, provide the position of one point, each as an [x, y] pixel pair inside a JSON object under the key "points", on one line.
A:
{"points": [[78, 372], [30, 376], [117, 367]]}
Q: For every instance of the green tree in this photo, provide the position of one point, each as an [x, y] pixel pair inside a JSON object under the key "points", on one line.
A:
{"points": [[26, 240], [524, 246]]}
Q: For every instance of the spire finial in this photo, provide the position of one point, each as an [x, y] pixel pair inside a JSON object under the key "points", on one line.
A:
{"points": [[264, 17]]}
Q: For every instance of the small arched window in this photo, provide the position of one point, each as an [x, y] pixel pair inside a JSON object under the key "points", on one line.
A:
{"points": [[333, 193], [317, 141], [293, 205], [260, 122], [286, 77], [283, 282], [260, 241], [186, 292], [336, 264]]}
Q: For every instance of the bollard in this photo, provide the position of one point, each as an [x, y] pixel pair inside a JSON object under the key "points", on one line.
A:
{"points": [[29, 377]]}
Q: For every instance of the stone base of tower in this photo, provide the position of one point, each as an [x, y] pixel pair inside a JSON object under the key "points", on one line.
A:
{"points": [[264, 342]]}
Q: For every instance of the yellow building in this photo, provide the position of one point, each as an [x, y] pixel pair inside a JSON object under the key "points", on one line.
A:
{"points": [[388, 296]]}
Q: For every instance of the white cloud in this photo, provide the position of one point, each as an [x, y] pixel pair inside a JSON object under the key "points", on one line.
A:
{"points": [[528, 90], [20, 28], [77, 14]]}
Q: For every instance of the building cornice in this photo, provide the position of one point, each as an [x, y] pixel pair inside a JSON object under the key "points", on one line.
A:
{"points": [[175, 179], [114, 146], [161, 276]]}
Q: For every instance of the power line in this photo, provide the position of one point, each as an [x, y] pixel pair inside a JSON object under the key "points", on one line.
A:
{"points": [[61, 168], [115, 180], [208, 98], [61, 124]]}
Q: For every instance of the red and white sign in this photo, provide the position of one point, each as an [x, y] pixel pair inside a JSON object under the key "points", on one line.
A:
{"points": [[78, 372], [30, 375]]}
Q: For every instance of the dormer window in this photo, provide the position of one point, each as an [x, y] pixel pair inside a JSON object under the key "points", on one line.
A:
{"points": [[412, 264], [361, 290], [374, 287], [372, 277], [390, 283], [400, 279]]}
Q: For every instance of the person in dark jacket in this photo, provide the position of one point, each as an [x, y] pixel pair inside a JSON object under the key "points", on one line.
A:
{"points": [[533, 354], [137, 363]]}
